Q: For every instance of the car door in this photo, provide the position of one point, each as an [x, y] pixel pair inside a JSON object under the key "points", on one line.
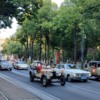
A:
{"points": [[98, 68]]}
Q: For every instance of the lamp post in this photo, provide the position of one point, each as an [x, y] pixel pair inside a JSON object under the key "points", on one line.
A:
{"points": [[82, 45]]}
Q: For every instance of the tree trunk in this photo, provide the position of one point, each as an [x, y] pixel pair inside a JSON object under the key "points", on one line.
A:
{"points": [[40, 46], [26, 55], [32, 50], [62, 55], [75, 45], [45, 52]]}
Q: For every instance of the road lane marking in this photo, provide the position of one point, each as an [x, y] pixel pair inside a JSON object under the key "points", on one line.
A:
{"points": [[19, 73], [3, 95], [85, 89], [43, 95], [68, 83]]}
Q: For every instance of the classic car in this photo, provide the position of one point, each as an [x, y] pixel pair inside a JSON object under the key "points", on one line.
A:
{"points": [[71, 72], [94, 68], [46, 75]]}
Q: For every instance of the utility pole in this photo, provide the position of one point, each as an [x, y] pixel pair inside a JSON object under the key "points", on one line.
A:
{"points": [[82, 45]]}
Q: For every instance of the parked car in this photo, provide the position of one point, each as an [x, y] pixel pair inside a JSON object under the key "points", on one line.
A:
{"points": [[5, 65], [94, 68], [71, 72], [20, 65]]}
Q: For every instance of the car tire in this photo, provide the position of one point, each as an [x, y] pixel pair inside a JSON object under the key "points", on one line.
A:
{"points": [[31, 77], [10, 69], [97, 78], [45, 81], [69, 78], [0, 67], [62, 80]]}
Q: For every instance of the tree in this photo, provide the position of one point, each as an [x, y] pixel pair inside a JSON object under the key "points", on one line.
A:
{"points": [[7, 11]]}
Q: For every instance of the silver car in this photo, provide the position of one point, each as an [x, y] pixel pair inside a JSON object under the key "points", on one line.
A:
{"points": [[5, 65]]}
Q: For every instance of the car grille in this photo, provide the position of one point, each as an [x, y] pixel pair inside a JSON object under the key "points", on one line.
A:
{"points": [[83, 75]]}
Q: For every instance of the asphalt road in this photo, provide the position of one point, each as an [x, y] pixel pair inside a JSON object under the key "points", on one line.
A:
{"points": [[72, 91]]}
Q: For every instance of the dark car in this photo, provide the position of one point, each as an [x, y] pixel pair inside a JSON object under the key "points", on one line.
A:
{"points": [[5, 65]]}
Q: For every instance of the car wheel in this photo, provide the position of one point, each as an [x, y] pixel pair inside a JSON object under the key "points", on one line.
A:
{"points": [[69, 78], [62, 80], [45, 81], [0, 67], [85, 80], [10, 69], [31, 77], [97, 78]]}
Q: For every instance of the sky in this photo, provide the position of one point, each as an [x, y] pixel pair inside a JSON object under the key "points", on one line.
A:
{"points": [[58, 2], [6, 33]]}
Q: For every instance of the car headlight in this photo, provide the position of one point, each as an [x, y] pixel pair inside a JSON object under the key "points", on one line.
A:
{"points": [[76, 75], [89, 74]]}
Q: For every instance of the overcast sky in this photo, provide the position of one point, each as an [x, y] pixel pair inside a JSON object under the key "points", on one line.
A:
{"points": [[5, 33]]}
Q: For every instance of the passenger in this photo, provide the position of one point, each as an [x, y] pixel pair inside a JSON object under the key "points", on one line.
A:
{"points": [[39, 67]]}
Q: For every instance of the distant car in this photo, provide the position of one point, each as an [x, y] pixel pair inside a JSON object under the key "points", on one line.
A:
{"points": [[71, 72], [20, 65], [94, 68], [5, 65]]}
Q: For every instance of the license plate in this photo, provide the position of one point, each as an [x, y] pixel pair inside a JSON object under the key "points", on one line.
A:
{"points": [[83, 78]]}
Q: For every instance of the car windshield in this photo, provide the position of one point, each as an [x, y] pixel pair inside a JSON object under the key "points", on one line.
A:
{"points": [[71, 66], [21, 62]]}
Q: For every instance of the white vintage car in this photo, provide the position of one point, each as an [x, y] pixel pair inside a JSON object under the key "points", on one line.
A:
{"points": [[20, 65], [71, 72]]}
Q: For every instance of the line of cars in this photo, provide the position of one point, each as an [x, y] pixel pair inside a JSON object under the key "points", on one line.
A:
{"points": [[61, 72], [8, 65], [69, 71]]}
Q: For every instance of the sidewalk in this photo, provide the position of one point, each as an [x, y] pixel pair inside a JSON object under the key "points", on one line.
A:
{"points": [[13, 92]]}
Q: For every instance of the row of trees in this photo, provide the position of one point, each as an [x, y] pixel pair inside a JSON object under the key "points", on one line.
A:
{"points": [[45, 28]]}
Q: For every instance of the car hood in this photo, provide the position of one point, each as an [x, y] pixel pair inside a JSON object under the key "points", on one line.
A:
{"points": [[23, 65], [77, 71]]}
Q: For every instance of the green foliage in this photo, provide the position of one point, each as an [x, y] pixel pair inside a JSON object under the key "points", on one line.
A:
{"points": [[42, 22], [12, 48], [7, 11]]}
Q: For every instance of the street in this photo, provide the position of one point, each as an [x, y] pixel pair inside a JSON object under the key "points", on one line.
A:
{"points": [[20, 82]]}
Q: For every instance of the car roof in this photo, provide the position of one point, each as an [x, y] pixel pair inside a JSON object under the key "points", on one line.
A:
{"points": [[66, 64], [94, 61]]}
